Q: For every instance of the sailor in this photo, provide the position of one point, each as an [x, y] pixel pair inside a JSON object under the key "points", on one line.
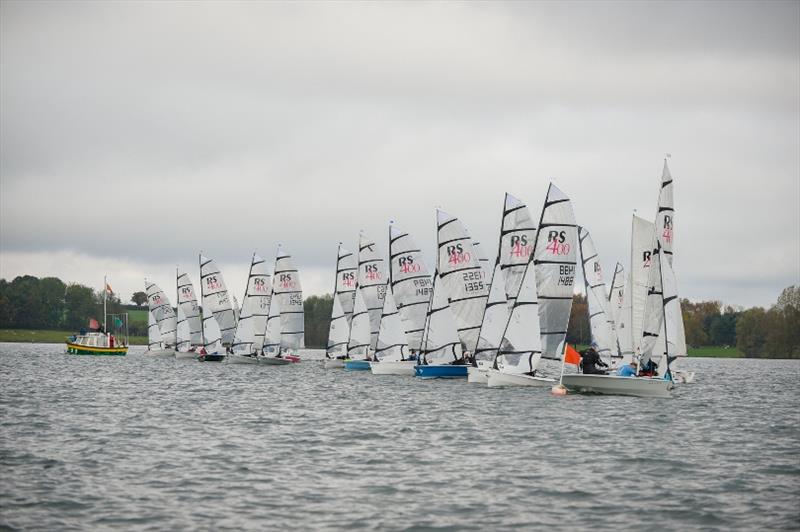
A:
{"points": [[590, 360], [627, 370], [649, 369]]}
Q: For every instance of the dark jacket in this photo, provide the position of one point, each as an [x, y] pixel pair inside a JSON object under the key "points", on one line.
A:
{"points": [[590, 360]]}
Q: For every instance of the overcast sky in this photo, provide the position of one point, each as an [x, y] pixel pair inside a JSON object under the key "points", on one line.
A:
{"points": [[135, 134]]}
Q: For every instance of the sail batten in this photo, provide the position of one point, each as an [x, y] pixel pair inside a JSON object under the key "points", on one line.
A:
{"points": [[216, 299], [411, 284]]}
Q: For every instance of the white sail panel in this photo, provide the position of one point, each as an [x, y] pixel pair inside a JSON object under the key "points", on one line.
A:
{"points": [[554, 258], [521, 347], [624, 335], [483, 260], [372, 283], [615, 293], [665, 217], [252, 325], [653, 320], [183, 333], [358, 344], [190, 311], [287, 290], [216, 299], [212, 336], [517, 238], [346, 279], [495, 317], [641, 257], [442, 344], [600, 320], [411, 284], [392, 345], [462, 278], [158, 303], [153, 333], [272, 336], [338, 331]]}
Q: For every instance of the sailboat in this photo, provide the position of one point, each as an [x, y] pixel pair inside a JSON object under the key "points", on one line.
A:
{"points": [[155, 344], [102, 340], [442, 355], [190, 325], [546, 291], [272, 338], [250, 329], [358, 344], [286, 290], [601, 323], [493, 326], [372, 284], [160, 307], [212, 349], [217, 300], [391, 352], [342, 308], [411, 285], [338, 335]]}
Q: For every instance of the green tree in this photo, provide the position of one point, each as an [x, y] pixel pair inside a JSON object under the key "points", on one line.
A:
{"points": [[783, 326], [579, 330], [51, 294], [26, 298], [317, 320], [8, 312], [139, 298], [80, 305], [751, 331]]}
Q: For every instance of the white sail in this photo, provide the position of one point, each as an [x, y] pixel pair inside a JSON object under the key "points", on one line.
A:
{"points": [[212, 336], [483, 260], [641, 257], [372, 283], [358, 344], [346, 278], [411, 284], [674, 333], [158, 303], [338, 331], [665, 217], [495, 317], [462, 278], [272, 337], [521, 347], [153, 333], [392, 344], [188, 315], [667, 320], [517, 238], [653, 320], [252, 324], [600, 319], [442, 344], [615, 293], [554, 258], [216, 299], [237, 309], [289, 293]]}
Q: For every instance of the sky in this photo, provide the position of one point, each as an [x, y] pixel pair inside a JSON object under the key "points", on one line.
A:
{"points": [[134, 135]]}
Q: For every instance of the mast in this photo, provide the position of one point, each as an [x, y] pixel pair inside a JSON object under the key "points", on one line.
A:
{"points": [[105, 297]]}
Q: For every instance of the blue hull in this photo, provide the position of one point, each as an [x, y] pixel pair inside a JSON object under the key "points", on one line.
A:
{"points": [[356, 365], [441, 372]]}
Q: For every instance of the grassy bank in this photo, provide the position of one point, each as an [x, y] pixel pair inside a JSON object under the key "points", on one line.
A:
{"points": [[718, 352], [49, 337]]}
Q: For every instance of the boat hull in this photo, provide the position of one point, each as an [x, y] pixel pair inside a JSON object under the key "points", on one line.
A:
{"points": [[447, 371], [333, 363], [356, 365], [77, 349], [211, 357], [185, 355], [479, 374], [614, 385], [240, 359], [497, 379], [274, 361], [400, 367], [161, 353]]}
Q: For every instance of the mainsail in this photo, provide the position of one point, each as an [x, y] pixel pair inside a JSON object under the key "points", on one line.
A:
{"points": [[442, 344], [272, 337], [158, 303], [554, 258], [346, 277], [411, 284], [495, 318], [600, 319], [252, 324], [641, 258], [153, 333], [216, 299], [483, 260], [665, 217], [664, 315], [288, 292], [190, 326], [338, 331], [372, 283], [462, 278], [392, 344], [358, 343], [212, 338], [517, 238], [521, 346]]}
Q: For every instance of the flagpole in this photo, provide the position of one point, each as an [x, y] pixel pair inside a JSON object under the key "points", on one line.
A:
{"points": [[563, 360], [105, 296]]}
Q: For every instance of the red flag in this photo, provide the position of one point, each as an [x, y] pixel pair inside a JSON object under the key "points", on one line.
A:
{"points": [[93, 324], [571, 356], [108, 289]]}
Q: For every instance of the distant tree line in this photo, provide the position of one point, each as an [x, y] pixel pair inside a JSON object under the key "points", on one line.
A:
{"points": [[28, 302]]}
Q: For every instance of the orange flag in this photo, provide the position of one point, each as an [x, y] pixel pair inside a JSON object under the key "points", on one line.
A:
{"points": [[108, 289], [571, 356]]}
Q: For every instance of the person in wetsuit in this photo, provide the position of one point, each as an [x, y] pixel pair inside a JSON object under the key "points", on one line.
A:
{"points": [[591, 362]]}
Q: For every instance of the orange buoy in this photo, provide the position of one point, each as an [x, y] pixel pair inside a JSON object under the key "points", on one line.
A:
{"points": [[558, 389]]}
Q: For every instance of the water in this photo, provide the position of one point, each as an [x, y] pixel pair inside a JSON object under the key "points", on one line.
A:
{"points": [[151, 444]]}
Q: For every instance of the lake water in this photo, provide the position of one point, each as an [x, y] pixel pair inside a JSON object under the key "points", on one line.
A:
{"points": [[151, 444]]}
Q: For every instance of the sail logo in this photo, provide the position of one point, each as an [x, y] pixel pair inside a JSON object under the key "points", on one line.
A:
{"points": [[519, 246], [646, 258], [156, 299], [598, 272], [667, 234], [259, 285], [556, 243], [285, 281], [348, 279], [212, 283], [187, 292], [456, 255], [407, 264], [371, 272]]}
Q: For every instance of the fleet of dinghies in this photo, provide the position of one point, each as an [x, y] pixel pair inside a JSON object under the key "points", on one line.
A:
{"points": [[501, 326]]}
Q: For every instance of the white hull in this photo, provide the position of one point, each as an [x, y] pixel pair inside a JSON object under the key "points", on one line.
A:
{"points": [[273, 361], [160, 353], [185, 355], [683, 377], [498, 378], [400, 367], [333, 363], [477, 375], [240, 359], [613, 385]]}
